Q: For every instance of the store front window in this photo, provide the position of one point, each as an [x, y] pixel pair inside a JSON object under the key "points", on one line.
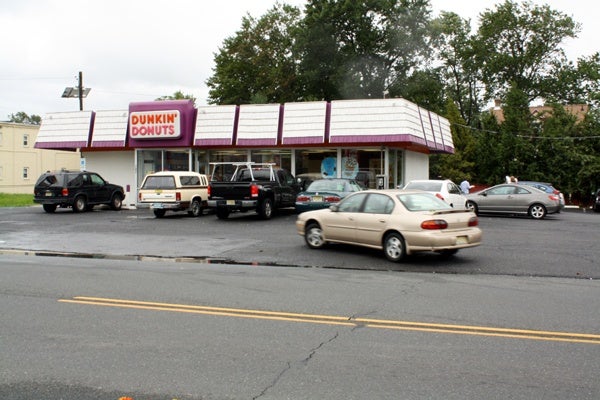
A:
{"points": [[360, 164], [177, 160], [281, 158], [150, 161], [316, 164], [224, 172]]}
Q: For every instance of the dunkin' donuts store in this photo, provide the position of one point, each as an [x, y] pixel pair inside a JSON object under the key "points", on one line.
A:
{"points": [[380, 142]]}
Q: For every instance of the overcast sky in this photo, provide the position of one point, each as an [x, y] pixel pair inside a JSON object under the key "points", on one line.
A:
{"points": [[138, 50]]}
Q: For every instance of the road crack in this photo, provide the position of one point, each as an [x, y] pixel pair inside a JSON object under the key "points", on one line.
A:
{"points": [[289, 365]]}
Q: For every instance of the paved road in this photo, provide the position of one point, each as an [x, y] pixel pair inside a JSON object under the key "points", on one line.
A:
{"points": [[562, 245], [97, 329], [119, 318]]}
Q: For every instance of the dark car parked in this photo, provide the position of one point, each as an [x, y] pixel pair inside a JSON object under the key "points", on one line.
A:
{"points": [[597, 201], [81, 190]]}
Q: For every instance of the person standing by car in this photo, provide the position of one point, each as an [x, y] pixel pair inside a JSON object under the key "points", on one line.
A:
{"points": [[465, 186]]}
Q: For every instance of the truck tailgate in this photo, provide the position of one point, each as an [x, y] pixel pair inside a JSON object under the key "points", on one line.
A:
{"points": [[157, 196], [230, 190]]}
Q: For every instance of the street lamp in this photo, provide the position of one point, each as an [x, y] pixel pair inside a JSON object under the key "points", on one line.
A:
{"points": [[79, 91]]}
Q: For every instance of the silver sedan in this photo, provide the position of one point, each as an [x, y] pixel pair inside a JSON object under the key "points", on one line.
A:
{"points": [[514, 199]]}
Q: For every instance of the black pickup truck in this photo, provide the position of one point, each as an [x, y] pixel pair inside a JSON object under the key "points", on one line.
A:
{"points": [[249, 186]]}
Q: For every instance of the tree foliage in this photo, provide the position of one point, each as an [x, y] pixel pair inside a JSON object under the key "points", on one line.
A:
{"points": [[258, 64], [178, 95], [23, 118], [359, 49], [342, 49], [519, 44]]}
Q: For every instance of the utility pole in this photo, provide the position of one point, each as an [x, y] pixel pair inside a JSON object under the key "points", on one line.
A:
{"points": [[77, 91], [80, 91]]}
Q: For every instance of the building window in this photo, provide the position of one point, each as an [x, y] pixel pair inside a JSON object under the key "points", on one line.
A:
{"points": [[25, 172], [25, 140]]}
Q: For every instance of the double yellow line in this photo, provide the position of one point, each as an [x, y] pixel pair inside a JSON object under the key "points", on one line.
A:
{"points": [[341, 320]]}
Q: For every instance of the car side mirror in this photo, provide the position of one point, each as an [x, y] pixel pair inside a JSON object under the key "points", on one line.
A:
{"points": [[334, 207]]}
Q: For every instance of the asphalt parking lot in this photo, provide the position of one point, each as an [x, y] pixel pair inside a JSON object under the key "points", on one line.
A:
{"points": [[561, 245]]}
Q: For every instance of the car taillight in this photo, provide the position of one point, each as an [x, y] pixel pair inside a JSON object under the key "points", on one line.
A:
{"points": [[439, 196], [64, 192], [140, 196], [302, 198], [434, 224], [332, 199], [473, 221], [553, 197], [254, 190], [208, 190], [177, 196]]}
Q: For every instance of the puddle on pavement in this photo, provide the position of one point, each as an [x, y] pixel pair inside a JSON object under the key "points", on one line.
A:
{"points": [[199, 260]]}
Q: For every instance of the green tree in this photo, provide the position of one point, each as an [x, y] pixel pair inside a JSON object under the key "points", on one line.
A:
{"points": [[460, 72], [359, 49], [577, 84], [178, 95], [519, 44], [22, 118], [517, 131], [460, 165], [258, 64]]}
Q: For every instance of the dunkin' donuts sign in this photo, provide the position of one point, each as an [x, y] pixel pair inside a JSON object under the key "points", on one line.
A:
{"points": [[154, 125]]}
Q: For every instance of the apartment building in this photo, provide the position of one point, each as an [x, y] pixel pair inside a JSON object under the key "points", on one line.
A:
{"points": [[21, 163]]}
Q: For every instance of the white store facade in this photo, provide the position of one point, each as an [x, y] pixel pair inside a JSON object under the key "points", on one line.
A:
{"points": [[389, 139]]}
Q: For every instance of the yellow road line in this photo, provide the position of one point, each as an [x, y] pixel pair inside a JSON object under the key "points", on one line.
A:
{"points": [[341, 320]]}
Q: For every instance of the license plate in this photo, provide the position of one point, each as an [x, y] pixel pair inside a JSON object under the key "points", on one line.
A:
{"points": [[48, 194], [157, 205], [462, 240], [231, 202], [317, 199]]}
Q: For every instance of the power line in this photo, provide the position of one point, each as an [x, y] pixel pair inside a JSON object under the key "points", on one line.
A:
{"points": [[35, 78], [531, 136]]}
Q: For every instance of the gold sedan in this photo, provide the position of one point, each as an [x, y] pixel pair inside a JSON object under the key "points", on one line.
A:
{"points": [[399, 222]]}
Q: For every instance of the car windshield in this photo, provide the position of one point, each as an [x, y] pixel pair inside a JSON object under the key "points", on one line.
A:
{"points": [[422, 202], [426, 186], [332, 185]]}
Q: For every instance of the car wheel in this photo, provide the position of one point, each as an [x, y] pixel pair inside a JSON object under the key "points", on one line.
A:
{"points": [[537, 211], [80, 204], [49, 208], [265, 209], [313, 235], [195, 208], [472, 207], [222, 213], [116, 202], [159, 213], [394, 247]]}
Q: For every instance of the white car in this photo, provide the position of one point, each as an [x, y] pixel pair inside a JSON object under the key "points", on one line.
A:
{"points": [[445, 189]]}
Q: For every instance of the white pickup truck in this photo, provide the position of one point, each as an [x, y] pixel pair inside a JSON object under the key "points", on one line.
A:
{"points": [[174, 191]]}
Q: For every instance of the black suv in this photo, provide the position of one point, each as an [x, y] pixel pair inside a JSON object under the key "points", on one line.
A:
{"points": [[81, 190]]}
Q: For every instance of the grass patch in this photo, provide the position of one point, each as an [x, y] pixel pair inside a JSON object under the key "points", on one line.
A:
{"points": [[16, 200]]}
